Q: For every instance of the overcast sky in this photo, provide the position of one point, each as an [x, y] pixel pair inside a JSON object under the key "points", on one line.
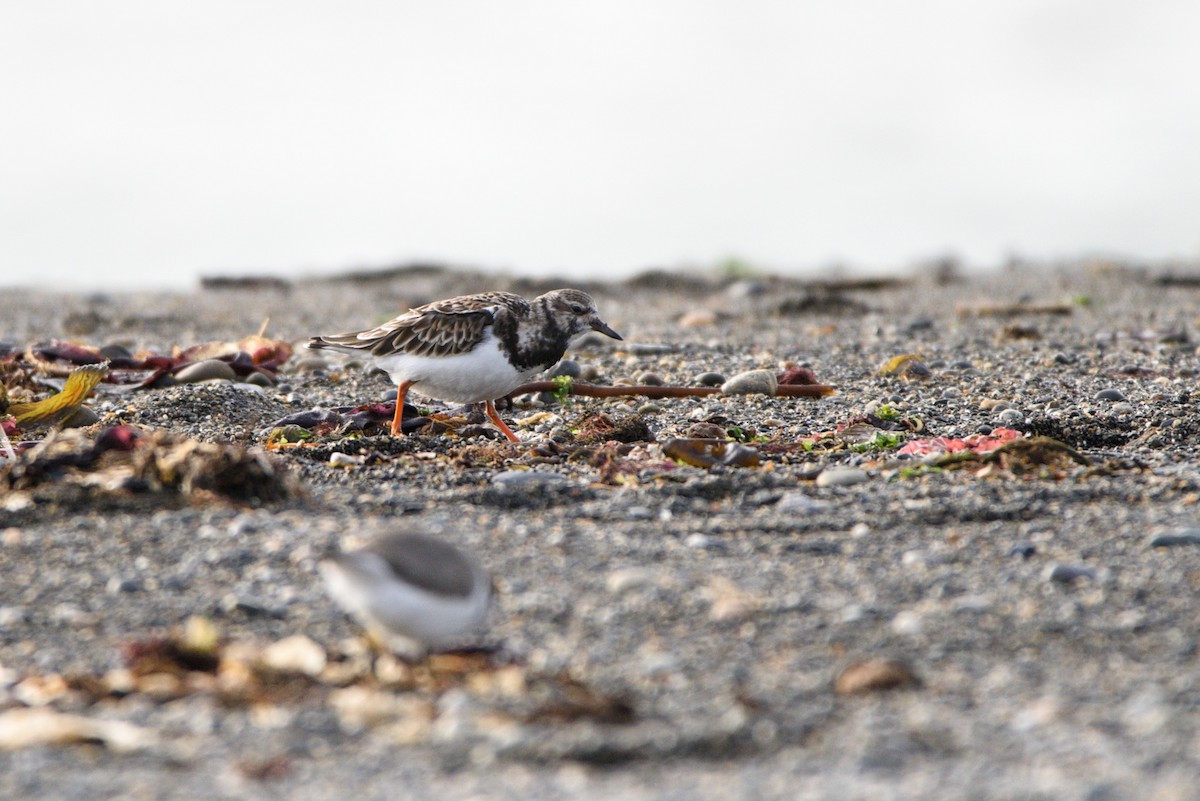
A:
{"points": [[150, 142]]}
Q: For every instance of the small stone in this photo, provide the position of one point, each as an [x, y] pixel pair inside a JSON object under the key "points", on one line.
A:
{"points": [[622, 581], [117, 585], [649, 379], [874, 675], [83, 416], [1066, 574], [706, 431], [1023, 548], [710, 379], [752, 382], [698, 318], [339, 459], [260, 380], [1111, 394], [526, 479], [1122, 409], [649, 408], [797, 503], [567, 367], [1010, 417], [841, 477], [650, 348], [295, 654], [1187, 536], [207, 370], [907, 622]]}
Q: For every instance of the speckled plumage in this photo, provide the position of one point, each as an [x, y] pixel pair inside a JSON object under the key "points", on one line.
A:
{"points": [[474, 347]]}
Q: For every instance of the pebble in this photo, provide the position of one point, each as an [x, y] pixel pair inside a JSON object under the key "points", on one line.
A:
{"points": [[567, 367], [650, 348], [622, 581], [295, 654], [260, 380], [841, 477], [83, 416], [1187, 536], [649, 408], [752, 382], [207, 370], [514, 479], [698, 318], [1065, 574], [710, 379], [339, 459], [649, 379], [797, 503], [873, 675], [907, 622], [1010, 417], [1111, 394], [1022, 548]]}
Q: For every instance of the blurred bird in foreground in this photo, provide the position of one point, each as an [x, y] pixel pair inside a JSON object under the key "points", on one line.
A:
{"points": [[410, 591]]}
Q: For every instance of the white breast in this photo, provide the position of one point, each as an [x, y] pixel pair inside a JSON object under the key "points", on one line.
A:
{"points": [[482, 374]]}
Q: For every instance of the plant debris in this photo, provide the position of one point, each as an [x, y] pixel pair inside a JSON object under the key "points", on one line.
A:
{"points": [[120, 460], [710, 453]]}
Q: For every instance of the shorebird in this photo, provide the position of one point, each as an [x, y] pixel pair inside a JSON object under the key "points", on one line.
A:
{"points": [[473, 348], [410, 592]]}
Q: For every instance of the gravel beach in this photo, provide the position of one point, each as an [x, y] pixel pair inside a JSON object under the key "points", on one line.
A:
{"points": [[834, 619]]}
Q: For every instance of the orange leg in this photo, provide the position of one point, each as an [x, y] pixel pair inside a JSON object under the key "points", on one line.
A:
{"points": [[398, 418], [495, 418]]}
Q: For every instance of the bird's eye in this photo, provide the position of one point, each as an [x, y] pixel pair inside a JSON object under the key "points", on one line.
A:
{"points": [[578, 308]]}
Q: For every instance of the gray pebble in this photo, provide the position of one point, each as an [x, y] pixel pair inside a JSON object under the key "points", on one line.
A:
{"points": [[1065, 574], [1022, 548], [260, 380], [649, 379], [1010, 417], [797, 503], [710, 379], [752, 382], [567, 367], [83, 416], [650, 349], [207, 370], [625, 579], [841, 477], [1111, 394], [649, 408], [1187, 536], [513, 479]]}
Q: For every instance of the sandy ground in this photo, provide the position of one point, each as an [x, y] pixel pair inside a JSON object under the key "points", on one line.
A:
{"points": [[665, 630]]}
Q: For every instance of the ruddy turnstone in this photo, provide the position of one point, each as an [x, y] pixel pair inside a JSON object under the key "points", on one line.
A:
{"points": [[410, 591], [474, 347]]}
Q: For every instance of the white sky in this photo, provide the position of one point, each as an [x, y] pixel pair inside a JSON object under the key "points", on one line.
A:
{"points": [[149, 142]]}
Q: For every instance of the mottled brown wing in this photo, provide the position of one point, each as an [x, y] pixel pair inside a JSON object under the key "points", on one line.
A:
{"points": [[444, 328]]}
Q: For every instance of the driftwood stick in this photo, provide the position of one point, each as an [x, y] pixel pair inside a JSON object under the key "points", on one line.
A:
{"points": [[594, 391]]}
